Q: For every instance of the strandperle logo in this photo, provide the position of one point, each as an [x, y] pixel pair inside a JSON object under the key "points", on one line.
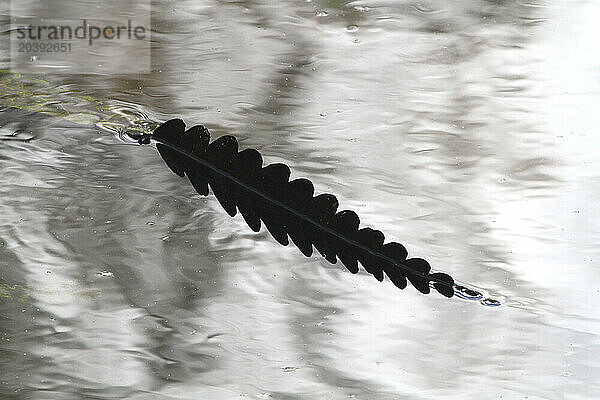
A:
{"points": [[69, 36], [84, 31]]}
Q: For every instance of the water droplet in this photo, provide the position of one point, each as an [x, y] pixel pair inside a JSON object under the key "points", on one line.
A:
{"points": [[322, 13], [467, 293], [106, 274], [352, 28], [165, 238]]}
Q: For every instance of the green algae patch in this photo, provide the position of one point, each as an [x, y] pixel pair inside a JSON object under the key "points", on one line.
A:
{"points": [[10, 292]]}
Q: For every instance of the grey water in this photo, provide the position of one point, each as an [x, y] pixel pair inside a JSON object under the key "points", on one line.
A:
{"points": [[465, 130]]}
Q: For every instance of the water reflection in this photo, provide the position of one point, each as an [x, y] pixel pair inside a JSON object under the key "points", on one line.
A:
{"points": [[469, 126]]}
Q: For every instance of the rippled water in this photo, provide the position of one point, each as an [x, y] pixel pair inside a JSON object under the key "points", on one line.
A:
{"points": [[464, 130]]}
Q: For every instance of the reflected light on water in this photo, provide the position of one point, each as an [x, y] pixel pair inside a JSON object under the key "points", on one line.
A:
{"points": [[464, 130]]}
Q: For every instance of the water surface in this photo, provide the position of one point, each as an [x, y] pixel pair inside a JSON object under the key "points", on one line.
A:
{"points": [[464, 130]]}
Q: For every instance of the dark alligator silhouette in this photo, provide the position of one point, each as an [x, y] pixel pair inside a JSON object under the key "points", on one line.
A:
{"points": [[290, 209]]}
